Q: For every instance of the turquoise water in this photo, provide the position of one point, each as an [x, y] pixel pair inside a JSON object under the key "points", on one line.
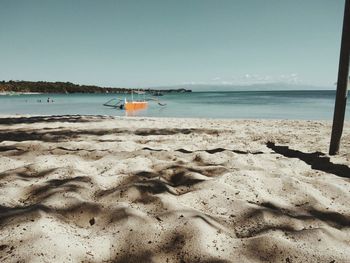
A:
{"points": [[313, 105]]}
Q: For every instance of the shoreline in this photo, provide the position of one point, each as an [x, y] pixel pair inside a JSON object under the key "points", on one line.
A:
{"points": [[20, 115], [16, 93]]}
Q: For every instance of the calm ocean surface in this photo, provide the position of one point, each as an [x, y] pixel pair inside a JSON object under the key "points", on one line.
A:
{"points": [[313, 105]]}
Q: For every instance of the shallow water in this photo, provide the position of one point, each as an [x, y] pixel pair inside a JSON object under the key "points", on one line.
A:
{"points": [[313, 105]]}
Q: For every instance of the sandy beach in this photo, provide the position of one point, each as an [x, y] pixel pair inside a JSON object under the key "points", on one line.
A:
{"points": [[104, 189]]}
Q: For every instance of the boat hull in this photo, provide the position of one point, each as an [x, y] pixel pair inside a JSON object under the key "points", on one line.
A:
{"points": [[136, 105]]}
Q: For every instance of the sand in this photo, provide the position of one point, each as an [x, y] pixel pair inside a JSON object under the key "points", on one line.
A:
{"points": [[103, 189]]}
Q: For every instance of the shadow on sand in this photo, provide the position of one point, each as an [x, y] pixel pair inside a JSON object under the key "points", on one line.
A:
{"points": [[67, 135], [52, 118], [318, 160]]}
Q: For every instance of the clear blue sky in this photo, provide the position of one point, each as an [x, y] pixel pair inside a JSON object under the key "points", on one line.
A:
{"points": [[162, 42]]}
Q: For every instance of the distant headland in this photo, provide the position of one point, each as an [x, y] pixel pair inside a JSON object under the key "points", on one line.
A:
{"points": [[68, 87]]}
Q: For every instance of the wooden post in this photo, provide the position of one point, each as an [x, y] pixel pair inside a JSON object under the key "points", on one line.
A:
{"points": [[342, 84]]}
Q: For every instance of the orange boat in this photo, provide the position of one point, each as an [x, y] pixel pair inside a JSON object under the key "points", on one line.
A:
{"points": [[132, 105], [135, 105]]}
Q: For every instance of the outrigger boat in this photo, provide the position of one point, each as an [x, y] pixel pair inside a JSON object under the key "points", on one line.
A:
{"points": [[132, 105]]}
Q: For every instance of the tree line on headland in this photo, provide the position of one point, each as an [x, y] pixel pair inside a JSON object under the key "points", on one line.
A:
{"points": [[68, 87]]}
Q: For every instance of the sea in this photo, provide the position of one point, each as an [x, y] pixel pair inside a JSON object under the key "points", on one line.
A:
{"points": [[297, 105]]}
